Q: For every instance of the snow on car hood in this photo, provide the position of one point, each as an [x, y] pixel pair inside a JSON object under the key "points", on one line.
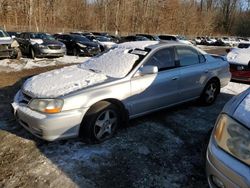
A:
{"points": [[36, 41], [242, 112], [239, 56], [117, 62], [61, 82]]}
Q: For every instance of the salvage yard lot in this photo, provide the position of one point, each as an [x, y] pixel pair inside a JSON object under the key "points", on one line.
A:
{"points": [[163, 149]]}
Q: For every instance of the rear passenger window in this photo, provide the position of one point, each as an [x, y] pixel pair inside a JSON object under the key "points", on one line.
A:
{"points": [[188, 56], [164, 59]]}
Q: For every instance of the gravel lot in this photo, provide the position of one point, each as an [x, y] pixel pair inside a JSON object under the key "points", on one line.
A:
{"points": [[163, 149]]}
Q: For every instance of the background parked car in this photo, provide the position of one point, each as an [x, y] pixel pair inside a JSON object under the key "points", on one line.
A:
{"points": [[103, 41], [79, 45], [239, 60], [40, 45], [150, 37], [9, 48], [13, 34], [228, 152], [133, 38], [175, 38]]}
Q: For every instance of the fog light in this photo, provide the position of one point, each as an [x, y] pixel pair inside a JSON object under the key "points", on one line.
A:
{"points": [[216, 181]]}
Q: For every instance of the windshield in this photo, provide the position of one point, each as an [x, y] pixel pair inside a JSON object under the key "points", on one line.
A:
{"points": [[80, 38], [116, 63], [41, 36], [181, 37], [103, 39], [3, 34]]}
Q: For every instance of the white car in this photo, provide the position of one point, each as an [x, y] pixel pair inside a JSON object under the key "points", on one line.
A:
{"points": [[239, 60]]}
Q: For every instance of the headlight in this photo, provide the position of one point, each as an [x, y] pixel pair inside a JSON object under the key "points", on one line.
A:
{"points": [[232, 56], [49, 106], [233, 137], [81, 45], [42, 46]]}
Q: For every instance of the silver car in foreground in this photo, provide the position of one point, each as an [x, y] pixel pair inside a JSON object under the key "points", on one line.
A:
{"points": [[93, 99], [228, 153]]}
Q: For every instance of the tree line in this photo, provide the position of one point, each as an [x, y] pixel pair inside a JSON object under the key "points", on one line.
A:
{"points": [[185, 17]]}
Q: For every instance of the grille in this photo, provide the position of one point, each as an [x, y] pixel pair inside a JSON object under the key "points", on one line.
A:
{"points": [[4, 47], [54, 47], [25, 99]]}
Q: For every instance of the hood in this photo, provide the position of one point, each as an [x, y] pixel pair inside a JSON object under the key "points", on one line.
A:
{"points": [[5, 40], [52, 42], [239, 56], [61, 82], [242, 112], [91, 44]]}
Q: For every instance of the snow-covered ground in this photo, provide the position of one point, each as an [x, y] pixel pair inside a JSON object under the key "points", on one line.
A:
{"points": [[204, 47], [10, 65]]}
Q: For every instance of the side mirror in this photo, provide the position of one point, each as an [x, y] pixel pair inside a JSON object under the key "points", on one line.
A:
{"points": [[148, 69]]}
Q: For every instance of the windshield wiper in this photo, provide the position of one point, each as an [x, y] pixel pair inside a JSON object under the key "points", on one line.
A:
{"points": [[96, 71]]}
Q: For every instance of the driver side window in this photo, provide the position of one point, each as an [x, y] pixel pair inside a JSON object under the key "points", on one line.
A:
{"points": [[164, 59]]}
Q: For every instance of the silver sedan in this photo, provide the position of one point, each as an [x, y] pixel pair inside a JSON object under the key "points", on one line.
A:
{"points": [[228, 153], [93, 99]]}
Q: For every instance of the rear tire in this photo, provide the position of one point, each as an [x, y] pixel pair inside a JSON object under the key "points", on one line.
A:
{"points": [[32, 53], [210, 92], [100, 123]]}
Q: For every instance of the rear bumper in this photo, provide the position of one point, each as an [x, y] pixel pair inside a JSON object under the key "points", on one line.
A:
{"points": [[50, 127], [241, 75], [228, 170]]}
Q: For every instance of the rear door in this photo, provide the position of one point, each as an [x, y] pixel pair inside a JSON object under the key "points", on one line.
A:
{"points": [[154, 91], [193, 72]]}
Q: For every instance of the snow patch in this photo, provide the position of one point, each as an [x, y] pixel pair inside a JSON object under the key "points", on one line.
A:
{"points": [[10, 65], [234, 88]]}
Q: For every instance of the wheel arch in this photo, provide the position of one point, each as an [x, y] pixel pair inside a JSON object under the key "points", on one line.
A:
{"points": [[119, 104]]}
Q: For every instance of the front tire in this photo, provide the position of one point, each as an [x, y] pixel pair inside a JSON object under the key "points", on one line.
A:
{"points": [[100, 122], [210, 92]]}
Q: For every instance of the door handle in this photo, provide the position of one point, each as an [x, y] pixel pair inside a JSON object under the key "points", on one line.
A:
{"points": [[206, 71], [174, 78]]}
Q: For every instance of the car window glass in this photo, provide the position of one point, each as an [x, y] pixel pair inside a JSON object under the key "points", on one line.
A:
{"points": [[187, 56], [164, 59]]}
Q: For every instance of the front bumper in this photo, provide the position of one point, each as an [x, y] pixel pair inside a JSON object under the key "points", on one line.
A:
{"points": [[89, 51], [229, 171], [49, 127], [8, 53], [50, 52]]}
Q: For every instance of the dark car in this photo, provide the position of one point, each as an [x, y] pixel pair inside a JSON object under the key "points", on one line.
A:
{"points": [[79, 45], [13, 34], [150, 37], [40, 45], [133, 38]]}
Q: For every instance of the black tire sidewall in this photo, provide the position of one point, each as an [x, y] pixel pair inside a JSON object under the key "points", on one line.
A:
{"points": [[204, 96], [88, 123]]}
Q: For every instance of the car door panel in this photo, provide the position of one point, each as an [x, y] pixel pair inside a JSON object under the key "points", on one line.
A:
{"points": [[155, 91]]}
